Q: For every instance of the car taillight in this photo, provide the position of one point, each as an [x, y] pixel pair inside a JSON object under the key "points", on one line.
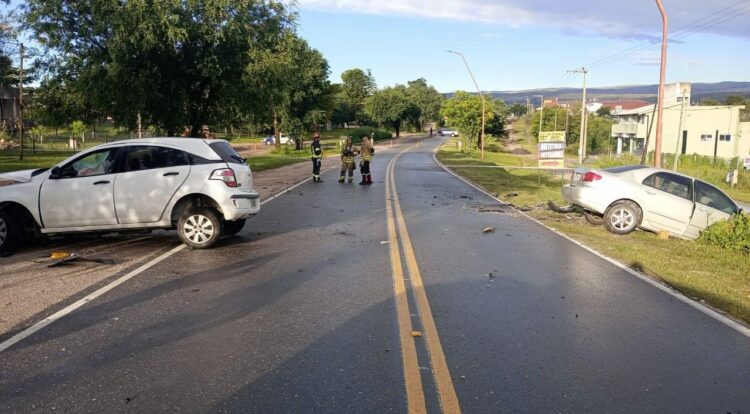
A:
{"points": [[226, 175], [591, 176]]}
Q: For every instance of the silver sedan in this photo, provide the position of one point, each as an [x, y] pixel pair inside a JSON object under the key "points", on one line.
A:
{"points": [[630, 197]]}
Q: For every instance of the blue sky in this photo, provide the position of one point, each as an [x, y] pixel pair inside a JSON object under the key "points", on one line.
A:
{"points": [[510, 45]]}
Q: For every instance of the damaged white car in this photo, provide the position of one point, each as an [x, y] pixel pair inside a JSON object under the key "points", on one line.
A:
{"points": [[200, 187], [630, 197]]}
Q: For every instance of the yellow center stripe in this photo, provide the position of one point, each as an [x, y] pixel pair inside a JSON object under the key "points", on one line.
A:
{"points": [[444, 383]]}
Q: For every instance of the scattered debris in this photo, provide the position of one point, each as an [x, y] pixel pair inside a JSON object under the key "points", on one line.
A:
{"points": [[467, 197], [526, 208], [416, 334], [61, 258], [663, 235], [385, 242], [511, 195], [195, 290], [489, 229], [567, 209]]}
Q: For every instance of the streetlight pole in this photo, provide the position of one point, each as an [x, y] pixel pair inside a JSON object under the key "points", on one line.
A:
{"points": [[20, 99], [662, 79], [481, 95], [584, 118], [541, 115]]}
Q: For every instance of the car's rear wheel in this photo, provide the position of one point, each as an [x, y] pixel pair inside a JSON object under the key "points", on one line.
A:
{"points": [[199, 228], [233, 227], [593, 218], [622, 217], [10, 232]]}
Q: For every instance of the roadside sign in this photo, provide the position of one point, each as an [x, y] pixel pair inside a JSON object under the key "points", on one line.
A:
{"points": [[552, 136], [552, 150], [746, 163]]}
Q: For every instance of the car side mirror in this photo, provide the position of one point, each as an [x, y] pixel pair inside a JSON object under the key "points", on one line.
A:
{"points": [[54, 173]]}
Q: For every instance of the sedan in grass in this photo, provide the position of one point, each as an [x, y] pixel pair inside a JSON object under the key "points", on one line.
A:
{"points": [[630, 197]]}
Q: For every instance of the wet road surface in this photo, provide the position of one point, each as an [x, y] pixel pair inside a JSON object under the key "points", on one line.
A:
{"points": [[300, 314]]}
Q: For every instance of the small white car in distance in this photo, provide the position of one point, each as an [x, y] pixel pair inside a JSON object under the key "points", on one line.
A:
{"points": [[653, 199], [447, 132], [201, 187]]}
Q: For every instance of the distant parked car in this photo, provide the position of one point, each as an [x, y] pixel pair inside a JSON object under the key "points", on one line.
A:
{"points": [[283, 138], [630, 197], [201, 187], [447, 132]]}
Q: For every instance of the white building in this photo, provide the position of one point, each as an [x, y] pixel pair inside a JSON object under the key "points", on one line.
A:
{"points": [[703, 130]]}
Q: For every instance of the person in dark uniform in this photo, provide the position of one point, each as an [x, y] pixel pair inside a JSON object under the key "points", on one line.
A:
{"points": [[317, 157]]}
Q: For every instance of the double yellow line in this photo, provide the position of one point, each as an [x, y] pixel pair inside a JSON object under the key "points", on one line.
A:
{"points": [[413, 379]]}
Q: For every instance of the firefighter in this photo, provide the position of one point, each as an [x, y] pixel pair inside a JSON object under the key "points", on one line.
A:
{"points": [[317, 157], [367, 151], [348, 152]]}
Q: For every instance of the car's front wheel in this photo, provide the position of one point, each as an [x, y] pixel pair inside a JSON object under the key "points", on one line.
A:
{"points": [[233, 227], [622, 217], [199, 228], [10, 232]]}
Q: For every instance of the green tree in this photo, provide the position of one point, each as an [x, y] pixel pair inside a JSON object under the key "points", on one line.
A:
{"points": [[356, 87], [392, 107], [709, 102], [427, 99], [495, 126], [464, 112], [735, 100], [604, 111], [518, 110], [175, 62]]}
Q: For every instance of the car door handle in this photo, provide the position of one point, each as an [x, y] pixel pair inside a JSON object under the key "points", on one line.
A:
{"points": [[101, 182], [650, 192], [171, 174]]}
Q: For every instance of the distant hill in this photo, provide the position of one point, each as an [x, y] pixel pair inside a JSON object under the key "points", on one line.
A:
{"points": [[646, 92]]}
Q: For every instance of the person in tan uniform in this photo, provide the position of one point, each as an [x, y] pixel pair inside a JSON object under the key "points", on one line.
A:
{"points": [[348, 152], [367, 151]]}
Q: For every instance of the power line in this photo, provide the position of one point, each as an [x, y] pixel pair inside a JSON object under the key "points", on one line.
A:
{"points": [[706, 22]]}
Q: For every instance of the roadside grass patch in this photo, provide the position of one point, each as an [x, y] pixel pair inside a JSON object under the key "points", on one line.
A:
{"points": [[707, 272], [268, 162], [43, 159]]}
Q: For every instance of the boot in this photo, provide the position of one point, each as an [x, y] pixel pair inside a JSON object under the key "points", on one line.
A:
{"points": [[351, 179], [364, 179], [369, 179], [341, 179]]}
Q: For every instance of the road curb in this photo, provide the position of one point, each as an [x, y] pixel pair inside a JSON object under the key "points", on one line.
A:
{"points": [[702, 307]]}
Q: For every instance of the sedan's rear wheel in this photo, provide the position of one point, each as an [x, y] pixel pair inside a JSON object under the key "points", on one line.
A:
{"points": [[593, 218], [199, 228], [10, 232], [622, 217]]}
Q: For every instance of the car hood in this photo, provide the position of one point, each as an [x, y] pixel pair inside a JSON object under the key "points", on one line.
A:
{"points": [[23, 176]]}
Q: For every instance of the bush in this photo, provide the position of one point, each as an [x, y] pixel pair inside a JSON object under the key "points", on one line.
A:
{"points": [[731, 234], [358, 133], [493, 148]]}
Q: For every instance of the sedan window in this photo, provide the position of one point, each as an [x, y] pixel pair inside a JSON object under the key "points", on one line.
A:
{"points": [[671, 183], [711, 196], [150, 157], [96, 163]]}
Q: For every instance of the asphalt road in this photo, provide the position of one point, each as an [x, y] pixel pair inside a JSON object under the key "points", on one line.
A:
{"points": [[299, 314]]}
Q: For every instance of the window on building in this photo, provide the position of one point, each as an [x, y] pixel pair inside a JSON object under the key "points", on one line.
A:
{"points": [[707, 137], [725, 137]]}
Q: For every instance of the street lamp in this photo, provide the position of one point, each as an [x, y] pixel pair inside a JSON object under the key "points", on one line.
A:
{"points": [[481, 95], [662, 80]]}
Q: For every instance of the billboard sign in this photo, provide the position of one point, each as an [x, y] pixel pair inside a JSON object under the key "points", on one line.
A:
{"points": [[552, 150]]}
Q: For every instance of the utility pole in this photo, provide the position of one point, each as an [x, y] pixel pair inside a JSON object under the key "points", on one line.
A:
{"points": [[679, 132], [662, 80], [584, 118], [481, 95], [138, 121], [541, 115], [20, 100]]}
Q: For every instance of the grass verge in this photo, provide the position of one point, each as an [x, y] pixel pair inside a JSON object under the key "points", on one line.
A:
{"points": [[9, 160], [717, 276], [268, 162]]}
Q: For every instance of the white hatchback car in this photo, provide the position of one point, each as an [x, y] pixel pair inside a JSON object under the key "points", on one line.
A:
{"points": [[650, 198], [201, 187]]}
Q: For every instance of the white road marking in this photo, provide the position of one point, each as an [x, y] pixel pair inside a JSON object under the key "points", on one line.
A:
{"points": [[88, 298], [742, 329]]}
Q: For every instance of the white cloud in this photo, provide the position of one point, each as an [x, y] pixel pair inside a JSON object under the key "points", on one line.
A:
{"points": [[634, 19]]}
